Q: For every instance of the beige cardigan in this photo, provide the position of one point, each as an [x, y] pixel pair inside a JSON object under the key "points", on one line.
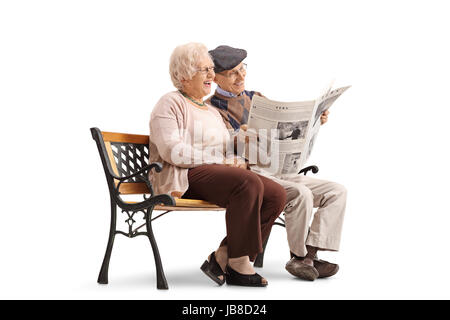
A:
{"points": [[172, 141]]}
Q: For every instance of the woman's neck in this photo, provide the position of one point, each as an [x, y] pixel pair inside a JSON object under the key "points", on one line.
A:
{"points": [[192, 98]]}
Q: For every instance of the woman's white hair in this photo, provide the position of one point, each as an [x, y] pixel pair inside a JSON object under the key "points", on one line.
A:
{"points": [[184, 62]]}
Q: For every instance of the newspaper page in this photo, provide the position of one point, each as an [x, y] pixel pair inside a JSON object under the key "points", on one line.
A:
{"points": [[286, 132]]}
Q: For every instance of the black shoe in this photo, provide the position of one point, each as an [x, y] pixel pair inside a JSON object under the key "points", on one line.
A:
{"points": [[249, 280], [213, 270]]}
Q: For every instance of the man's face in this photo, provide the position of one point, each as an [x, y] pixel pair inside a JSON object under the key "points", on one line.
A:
{"points": [[232, 80]]}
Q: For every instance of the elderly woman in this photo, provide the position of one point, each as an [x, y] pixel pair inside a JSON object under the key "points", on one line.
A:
{"points": [[190, 139]]}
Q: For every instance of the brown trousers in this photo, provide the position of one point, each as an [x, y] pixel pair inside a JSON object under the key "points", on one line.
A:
{"points": [[253, 203]]}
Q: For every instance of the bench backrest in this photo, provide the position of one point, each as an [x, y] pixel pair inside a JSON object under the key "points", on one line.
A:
{"points": [[124, 154]]}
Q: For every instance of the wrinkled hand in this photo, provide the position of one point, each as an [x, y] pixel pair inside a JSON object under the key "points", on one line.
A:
{"points": [[235, 162], [248, 133], [244, 128], [324, 117]]}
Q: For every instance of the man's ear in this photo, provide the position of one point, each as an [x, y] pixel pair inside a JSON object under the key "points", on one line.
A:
{"points": [[215, 79]]}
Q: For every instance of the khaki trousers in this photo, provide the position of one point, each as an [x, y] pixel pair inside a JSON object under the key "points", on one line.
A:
{"points": [[303, 194]]}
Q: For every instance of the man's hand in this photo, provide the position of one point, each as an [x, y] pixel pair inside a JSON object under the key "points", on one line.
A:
{"points": [[235, 162], [324, 117], [244, 128]]}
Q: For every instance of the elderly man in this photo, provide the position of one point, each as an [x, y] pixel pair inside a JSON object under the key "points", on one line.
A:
{"points": [[305, 237]]}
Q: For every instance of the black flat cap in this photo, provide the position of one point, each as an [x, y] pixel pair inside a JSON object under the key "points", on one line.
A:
{"points": [[226, 58]]}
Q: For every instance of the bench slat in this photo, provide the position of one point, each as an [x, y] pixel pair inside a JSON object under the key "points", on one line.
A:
{"points": [[194, 203], [164, 208], [125, 137], [133, 188]]}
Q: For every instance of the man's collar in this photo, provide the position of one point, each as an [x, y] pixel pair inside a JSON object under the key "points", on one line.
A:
{"points": [[226, 93]]}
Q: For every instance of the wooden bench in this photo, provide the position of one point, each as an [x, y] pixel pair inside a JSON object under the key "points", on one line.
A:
{"points": [[125, 159]]}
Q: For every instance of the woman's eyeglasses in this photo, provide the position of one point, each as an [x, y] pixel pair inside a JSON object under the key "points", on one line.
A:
{"points": [[206, 70]]}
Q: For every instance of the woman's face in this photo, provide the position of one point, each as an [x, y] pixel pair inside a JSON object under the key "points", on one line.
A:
{"points": [[200, 85]]}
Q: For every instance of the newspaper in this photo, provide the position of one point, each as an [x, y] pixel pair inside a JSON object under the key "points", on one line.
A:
{"points": [[284, 133]]}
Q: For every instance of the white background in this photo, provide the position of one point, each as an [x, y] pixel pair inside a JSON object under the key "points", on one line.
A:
{"points": [[66, 66]]}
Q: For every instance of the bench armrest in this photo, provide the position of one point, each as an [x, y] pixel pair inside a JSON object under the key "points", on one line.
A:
{"points": [[314, 170], [158, 167], [138, 174], [153, 199], [147, 203]]}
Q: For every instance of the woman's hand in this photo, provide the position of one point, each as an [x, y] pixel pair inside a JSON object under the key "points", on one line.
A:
{"points": [[324, 117], [235, 162]]}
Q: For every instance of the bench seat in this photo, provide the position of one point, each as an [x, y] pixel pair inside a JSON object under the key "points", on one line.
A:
{"points": [[188, 205]]}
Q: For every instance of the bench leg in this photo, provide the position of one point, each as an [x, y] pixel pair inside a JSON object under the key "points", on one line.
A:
{"points": [[161, 282], [103, 276], [260, 257]]}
